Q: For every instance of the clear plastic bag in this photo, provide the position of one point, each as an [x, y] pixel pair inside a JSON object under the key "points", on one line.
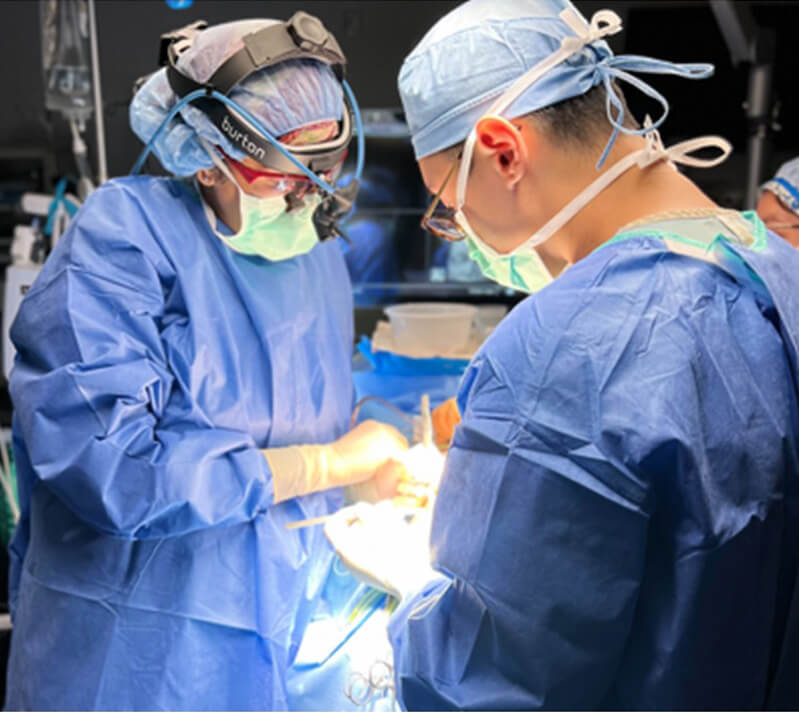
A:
{"points": [[66, 57]]}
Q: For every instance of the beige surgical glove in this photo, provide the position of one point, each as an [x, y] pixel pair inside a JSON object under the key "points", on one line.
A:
{"points": [[356, 457], [384, 485]]}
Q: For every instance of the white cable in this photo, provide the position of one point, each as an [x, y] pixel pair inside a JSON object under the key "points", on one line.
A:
{"points": [[99, 119]]}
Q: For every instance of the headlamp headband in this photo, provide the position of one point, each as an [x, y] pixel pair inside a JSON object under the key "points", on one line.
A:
{"points": [[303, 36]]}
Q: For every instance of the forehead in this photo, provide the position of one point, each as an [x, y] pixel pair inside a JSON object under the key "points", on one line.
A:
{"points": [[770, 205]]}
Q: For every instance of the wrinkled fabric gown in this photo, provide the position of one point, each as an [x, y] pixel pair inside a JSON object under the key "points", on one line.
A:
{"points": [[150, 568]]}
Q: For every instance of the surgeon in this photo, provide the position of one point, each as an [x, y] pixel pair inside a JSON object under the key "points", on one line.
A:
{"points": [[778, 206], [618, 521], [183, 392]]}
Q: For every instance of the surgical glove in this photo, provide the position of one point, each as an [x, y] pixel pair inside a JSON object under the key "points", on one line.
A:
{"points": [[385, 484], [445, 418], [412, 479], [384, 546], [353, 458]]}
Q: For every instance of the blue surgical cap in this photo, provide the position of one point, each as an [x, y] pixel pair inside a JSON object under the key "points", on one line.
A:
{"points": [[474, 53], [283, 97], [785, 185]]}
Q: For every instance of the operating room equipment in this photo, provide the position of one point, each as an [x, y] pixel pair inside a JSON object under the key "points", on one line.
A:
{"points": [[66, 58], [29, 248], [754, 46], [419, 423], [489, 316], [343, 644], [72, 83], [6, 477], [427, 421], [418, 350], [362, 689], [431, 328], [356, 412], [312, 522]]}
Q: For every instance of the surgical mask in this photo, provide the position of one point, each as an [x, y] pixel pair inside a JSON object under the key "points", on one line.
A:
{"points": [[267, 229], [522, 268]]}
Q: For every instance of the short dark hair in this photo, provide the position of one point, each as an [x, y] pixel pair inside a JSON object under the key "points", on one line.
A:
{"points": [[582, 121], [579, 122]]}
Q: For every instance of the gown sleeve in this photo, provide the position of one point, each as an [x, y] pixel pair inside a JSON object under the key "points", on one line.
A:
{"points": [[542, 538], [105, 421]]}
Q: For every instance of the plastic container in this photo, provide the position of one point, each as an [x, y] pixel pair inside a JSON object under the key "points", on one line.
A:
{"points": [[431, 328], [489, 316]]}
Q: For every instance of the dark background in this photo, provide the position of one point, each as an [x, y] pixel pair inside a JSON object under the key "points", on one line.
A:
{"points": [[376, 35]]}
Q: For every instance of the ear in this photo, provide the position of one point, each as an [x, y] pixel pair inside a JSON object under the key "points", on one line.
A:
{"points": [[210, 177], [503, 144]]}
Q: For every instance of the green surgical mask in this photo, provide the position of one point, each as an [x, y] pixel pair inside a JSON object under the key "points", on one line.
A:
{"points": [[523, 268], [267, 229], [524, 271]]}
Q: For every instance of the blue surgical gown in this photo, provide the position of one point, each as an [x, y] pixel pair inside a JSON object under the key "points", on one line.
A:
{"points": [[618, 520], [151, 568]]}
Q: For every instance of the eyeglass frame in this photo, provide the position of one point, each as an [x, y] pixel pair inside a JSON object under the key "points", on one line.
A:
{"points": [[428, 215], [301, 184], [426, 218]]}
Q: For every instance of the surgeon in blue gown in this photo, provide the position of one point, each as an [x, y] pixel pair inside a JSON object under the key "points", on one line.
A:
{"points": [[618, 521], [175, 392]]}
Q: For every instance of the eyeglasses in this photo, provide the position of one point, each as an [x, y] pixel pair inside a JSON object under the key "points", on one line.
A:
{"points": [[439, 220], [290, 182]]}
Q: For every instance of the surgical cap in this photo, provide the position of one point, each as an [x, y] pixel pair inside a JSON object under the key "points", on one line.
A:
{"points": [[785, 185], [474, 53], [283, 97]]}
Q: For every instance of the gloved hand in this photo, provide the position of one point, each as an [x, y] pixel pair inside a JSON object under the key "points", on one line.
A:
{"points": [[384, 546], [412, 479], [445, 418], [353, 458], [384, 485]]}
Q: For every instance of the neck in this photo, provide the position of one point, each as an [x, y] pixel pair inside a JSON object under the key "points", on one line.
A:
{"points": [[224, 203], [634, 195]]}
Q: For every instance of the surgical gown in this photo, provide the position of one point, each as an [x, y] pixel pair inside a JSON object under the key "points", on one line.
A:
{"points": [[618, 522], [151, 568]]}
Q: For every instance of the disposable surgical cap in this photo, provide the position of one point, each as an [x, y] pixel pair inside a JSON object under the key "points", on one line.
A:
{"points": [[473, 54], [283, 97], [785, 185]]}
